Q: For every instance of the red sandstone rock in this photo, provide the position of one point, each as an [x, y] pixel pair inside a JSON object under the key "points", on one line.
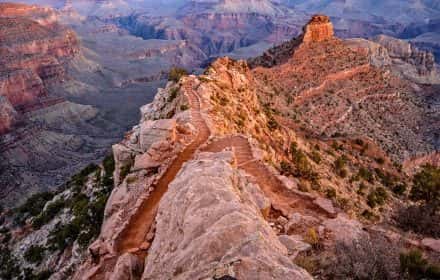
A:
{"points": [[318, 29], [432, 244], [33, 51]]}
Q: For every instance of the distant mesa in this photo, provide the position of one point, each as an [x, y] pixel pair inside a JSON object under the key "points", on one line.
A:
{"points": [[318, 29]]}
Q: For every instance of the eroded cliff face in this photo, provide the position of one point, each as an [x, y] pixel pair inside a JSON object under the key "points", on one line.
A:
{"points": [[403, 58], [33, 50], [42, 133]]}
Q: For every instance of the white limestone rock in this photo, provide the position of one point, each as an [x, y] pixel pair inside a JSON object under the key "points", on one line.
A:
{"points": [[209, 224]]}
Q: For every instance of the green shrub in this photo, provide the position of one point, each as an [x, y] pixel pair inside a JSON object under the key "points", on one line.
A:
{"points": [[316, 157], [387, 179], [400, 189], [416, 266], [366, 174], [64, 235], [426, 186], [176, 73], [34, 254], [125, 170], [380, 160], [79, 205], [362, 188], [337, 146], [49, 213], [339, 166], [109, 168], [35, 204], [221, 99], [303, 168], [330, 193], [8, 264], [286, 168], [80, 178], [173, 94], [43, 275], [359, 142], [377, 197], [184, 107], [272, 124], [368, 215]]}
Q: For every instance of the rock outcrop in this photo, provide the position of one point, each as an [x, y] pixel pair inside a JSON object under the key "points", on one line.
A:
{"points": [[401, 57], [413, 63], [318, 29], [8, 115], [209, 226]]}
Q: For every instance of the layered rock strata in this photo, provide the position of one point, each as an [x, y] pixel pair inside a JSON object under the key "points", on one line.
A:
{"points": [[318, 29]]}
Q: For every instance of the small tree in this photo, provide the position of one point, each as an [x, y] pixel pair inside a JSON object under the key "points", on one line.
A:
{"points": [[176, 73], [34, 254], [414, 266], [426, 186]]}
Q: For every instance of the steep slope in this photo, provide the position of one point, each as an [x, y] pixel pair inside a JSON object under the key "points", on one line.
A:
{"points": [[32, 53], [44, 137], [48, 235], [403, 58], [330, 88]]}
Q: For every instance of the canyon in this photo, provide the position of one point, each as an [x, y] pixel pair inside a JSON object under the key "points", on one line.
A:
{"points": [[203, 174], [287, 152], [118, 50]]}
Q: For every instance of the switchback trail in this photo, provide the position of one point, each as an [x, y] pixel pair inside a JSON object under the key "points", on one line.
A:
{"points": [[272, 187], [135, 233]]}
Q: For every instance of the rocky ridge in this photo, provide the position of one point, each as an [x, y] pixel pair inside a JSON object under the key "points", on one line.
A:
{"points": [[222, 127], [220, 168], [318, 75]]}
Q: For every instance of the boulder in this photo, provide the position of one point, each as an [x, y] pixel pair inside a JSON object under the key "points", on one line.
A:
{"points": [[145, 161], [432, 244], [156, 131], [344, 229], [128, 267], [325, 204], [294, 244]]}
